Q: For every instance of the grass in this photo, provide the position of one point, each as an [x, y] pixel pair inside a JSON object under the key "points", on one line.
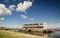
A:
{"points": [[10, 35]]}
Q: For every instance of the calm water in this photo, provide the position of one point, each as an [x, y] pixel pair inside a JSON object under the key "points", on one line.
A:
{"points": [[50, 35], [54, 35]]}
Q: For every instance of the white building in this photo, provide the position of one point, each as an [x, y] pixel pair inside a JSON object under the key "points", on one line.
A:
{"points": [[35, 27]]}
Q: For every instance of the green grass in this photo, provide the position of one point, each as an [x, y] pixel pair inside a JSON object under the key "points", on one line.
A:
{"points": [[9, 35]]}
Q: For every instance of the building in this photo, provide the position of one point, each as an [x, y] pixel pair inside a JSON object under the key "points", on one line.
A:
{"points": [[40, 27], [2, 28]]}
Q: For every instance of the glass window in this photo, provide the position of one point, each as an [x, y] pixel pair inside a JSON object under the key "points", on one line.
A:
{"points": [[39, 27], [41, 23]]}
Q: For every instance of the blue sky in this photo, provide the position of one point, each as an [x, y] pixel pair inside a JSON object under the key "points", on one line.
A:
{"points": [[35, 11]]}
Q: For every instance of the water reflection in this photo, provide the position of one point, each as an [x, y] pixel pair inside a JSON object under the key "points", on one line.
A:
{"points": [[45, 36], [48, 35], [54, 35], [41, 35], [51, 35]]}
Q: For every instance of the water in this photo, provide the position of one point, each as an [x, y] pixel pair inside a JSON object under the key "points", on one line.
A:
{"points": [[54, 35], [50, 35]]}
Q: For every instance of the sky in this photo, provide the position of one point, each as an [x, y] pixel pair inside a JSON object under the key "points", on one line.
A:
{"points": [[15, 13]]}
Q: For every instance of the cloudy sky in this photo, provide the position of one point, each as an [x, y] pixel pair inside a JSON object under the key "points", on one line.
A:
{"points": [[14, 13]]}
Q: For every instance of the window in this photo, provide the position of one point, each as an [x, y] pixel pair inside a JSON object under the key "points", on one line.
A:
{"points": [[35, 24], [39, 27], [41, 23]]}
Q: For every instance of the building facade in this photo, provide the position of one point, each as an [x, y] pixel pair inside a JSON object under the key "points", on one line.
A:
{"points": [[35, 27]]}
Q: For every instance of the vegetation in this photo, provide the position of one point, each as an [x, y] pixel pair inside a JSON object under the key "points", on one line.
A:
{"points": [[10, 35]]}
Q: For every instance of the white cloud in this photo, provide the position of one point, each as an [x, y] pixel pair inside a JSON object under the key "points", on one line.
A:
{"points": [[57, 25], [2, 19], [12, 7], [31, 19], [4, 11], [22, 7], [24, 16], [54, 25]]}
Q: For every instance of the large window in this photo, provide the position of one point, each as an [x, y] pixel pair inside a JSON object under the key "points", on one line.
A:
{"points": [[35, 24], [39, 27], [41, 23]]}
